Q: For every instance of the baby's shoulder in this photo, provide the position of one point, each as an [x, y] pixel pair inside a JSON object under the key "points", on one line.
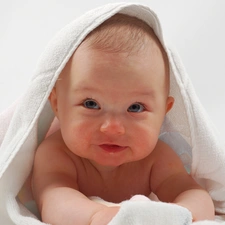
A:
{"points": [[163, 149], [163, 155], [51, 156], [53, 140], [159, 152], [52, 146]]}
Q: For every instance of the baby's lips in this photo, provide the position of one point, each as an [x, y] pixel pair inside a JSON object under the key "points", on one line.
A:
{"points": [[112, 148]]}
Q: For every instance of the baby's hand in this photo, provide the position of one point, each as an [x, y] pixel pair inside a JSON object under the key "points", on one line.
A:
{"points": [[139, 198], [105, 215]]}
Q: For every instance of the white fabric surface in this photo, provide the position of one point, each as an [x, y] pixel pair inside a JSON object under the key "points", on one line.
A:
{"points": [[23, 126]]}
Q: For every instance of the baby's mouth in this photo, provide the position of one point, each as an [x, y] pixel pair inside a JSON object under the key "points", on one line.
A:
{"points": [[112, 148]]}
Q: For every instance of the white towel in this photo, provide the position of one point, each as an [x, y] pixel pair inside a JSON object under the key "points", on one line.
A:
{"points": [[143, 211], [187, 123]]}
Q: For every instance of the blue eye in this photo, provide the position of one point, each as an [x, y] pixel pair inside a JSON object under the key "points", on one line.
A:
{"points": [[91, 104], [136, 108]]}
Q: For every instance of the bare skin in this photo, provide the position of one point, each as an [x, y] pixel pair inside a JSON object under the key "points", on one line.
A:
{"points": [[110, 114]]}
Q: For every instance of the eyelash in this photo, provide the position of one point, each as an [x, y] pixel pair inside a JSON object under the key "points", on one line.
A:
{"points": [[139, 103], [91, 99]]}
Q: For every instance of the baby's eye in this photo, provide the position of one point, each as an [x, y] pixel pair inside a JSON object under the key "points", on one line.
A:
{"points": [[136, 107], [91, 104]]}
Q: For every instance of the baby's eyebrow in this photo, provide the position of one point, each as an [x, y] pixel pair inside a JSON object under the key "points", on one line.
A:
{"points": [[145, 93], [78, 89]]}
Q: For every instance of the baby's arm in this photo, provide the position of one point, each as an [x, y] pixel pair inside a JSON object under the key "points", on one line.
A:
{"points": [[171, 183], [56, 192]]}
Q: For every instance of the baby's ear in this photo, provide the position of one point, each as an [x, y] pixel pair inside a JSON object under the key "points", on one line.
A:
{"points": [[53, 101], [169, 103]]}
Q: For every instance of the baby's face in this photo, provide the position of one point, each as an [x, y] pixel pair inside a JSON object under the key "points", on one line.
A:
{"points": [[111, 105]]}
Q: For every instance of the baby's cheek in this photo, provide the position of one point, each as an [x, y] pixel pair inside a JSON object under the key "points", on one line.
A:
{"points": [[146, 141], [80, 133]]}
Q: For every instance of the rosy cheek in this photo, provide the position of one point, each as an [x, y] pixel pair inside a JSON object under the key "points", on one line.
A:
{"points": [[147, 139], [81, 130]]}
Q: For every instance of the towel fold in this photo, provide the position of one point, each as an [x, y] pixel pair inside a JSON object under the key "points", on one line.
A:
{"points": [[24, 126], [147, 212]]}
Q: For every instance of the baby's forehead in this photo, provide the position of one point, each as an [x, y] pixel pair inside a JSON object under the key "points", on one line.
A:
{"points": [[122, 33]]}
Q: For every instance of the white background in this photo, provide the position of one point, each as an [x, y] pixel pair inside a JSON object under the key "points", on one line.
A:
{"points": [[195, 27]]}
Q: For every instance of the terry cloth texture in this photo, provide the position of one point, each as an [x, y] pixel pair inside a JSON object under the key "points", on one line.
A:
{"points": [[186, 127]]}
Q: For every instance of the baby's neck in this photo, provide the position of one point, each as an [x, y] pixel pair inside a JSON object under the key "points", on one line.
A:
{"points": [[114, 184], [107, 172]]}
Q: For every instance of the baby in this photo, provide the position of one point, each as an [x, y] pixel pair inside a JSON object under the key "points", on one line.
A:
{"points": [[111, 99]]}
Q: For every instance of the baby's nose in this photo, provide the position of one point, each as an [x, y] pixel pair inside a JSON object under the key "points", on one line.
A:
{"points": [[112, 126]]}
